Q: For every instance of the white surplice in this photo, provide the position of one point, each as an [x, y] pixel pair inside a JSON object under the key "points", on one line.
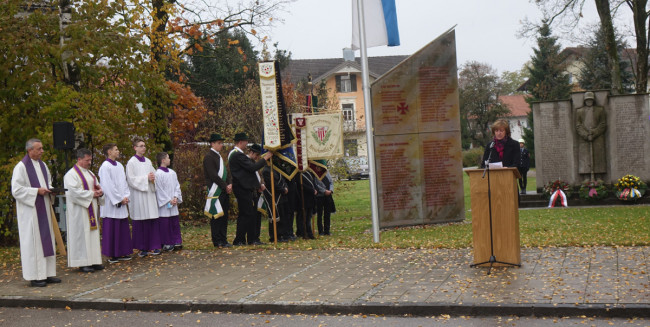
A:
{"points": [[35, 265], [113, 182], [167, 187], [142, 204], [83, 243]]}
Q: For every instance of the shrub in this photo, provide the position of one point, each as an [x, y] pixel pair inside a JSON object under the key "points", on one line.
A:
{"points": [[472, 157]]}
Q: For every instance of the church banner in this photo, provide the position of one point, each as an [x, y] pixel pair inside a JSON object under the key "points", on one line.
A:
{"points": [[324, 136], [277, 133]]}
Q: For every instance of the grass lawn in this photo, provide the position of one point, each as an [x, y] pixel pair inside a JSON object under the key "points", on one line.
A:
{"points": [[352, 227]]}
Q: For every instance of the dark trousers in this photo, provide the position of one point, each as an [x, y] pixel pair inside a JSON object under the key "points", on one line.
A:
{"points": [[280, 211], [323, 213], [219, 226], [257, 222], [524, 178], [247, 212], [305, 222]]}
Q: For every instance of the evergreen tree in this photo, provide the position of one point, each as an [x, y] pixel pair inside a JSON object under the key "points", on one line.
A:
{"points": [[222, 67], [596, 71], [548, 80]]}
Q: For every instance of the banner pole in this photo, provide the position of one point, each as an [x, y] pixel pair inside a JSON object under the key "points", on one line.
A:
{"points": [[275, 227], [372, 176]]}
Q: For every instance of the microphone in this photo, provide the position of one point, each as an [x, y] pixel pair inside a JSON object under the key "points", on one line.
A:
{"points": [[492, 145]]}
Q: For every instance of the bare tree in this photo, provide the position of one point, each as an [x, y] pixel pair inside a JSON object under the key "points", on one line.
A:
{"points": [[568, 13]]}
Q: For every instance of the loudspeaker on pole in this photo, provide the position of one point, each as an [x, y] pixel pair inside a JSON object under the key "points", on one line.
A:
{"points": [[63, 134]]}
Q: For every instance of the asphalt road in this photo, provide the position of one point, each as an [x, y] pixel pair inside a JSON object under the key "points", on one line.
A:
{"points": [[30, 317]]}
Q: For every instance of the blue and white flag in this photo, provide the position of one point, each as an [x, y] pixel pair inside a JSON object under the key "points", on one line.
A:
{"points": [[380, 19]]}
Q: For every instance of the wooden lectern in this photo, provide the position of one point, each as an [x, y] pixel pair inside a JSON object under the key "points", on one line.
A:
{"points": [[505, 215]]}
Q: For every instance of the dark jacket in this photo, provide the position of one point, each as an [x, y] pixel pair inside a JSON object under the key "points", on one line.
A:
{"points": [[524, 160], [308, 187], [211, 171], [279, 185], [510, 154], [244, 170]]}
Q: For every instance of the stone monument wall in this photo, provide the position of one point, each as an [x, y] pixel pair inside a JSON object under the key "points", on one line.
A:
{"points": [[416, 120], [626, 138]]}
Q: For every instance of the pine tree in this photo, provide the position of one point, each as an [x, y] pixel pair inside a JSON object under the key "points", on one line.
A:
{"points": [[548, 80], [597, 72]]}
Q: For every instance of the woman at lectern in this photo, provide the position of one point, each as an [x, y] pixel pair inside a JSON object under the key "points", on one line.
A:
{"points": [[502, 148]]}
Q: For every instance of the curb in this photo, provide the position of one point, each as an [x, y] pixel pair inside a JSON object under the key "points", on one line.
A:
{"points": [[370, 308]]}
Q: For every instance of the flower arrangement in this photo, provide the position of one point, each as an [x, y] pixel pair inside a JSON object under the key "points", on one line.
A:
{"points": [[557, 190], [593, 190], [630, 187]]}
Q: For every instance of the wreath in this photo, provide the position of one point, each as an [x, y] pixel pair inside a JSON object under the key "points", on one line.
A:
{"points": [[593, 190], [558, 192], [630, 187]]}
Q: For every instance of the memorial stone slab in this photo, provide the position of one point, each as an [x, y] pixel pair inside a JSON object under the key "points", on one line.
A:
{"points": [[416, 121], [554, 141], [628, 134]]}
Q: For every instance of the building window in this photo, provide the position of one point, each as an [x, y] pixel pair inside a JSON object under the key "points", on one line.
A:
{"points": [[346, 83], [350, 148], [348, 111], [348, 117]]}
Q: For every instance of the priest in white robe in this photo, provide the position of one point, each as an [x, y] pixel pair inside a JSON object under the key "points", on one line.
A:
{"points": [[143, 205], [168, 193], [30, 185], [116, 232], [83, 196]]}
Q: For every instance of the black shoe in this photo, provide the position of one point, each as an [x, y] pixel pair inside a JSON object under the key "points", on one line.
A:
{"points": [[87, 269], [258, 243], [238, 243], [224, 245], [53, 280], [113, 260], [311, 237], [327, 234], [98, 267], [321, 233], [38, 283], [293, 238]]}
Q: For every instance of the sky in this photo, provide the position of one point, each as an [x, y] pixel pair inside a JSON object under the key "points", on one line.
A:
{"points": [[486, 30]]}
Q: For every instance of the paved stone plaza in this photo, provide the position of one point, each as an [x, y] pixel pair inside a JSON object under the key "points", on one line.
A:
{"points": [[602, 281]]}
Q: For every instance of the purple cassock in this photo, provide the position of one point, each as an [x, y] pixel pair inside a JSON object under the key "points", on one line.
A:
{"points": [[116, 234]]}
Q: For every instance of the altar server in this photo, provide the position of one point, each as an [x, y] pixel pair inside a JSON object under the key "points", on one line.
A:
{"points": [[143, 205], [168, 193], [116, 234]]}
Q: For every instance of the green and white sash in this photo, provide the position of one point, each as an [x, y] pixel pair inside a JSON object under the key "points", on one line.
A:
{"points": [[213, 207]]}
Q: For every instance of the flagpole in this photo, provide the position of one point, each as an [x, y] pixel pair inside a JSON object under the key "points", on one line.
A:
{"points": [[372, 176]]}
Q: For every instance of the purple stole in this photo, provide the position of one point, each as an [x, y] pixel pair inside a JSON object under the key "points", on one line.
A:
{"points": [[165, 169], [91, 212], [41, 211]]}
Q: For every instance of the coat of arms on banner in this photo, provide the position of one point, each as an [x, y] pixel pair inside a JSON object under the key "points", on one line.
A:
{"points": [[325, 140], [321, 134]]}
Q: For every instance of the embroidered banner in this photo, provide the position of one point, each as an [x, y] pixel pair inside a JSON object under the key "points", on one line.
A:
{"points": [[277, 133], [324, 136]]}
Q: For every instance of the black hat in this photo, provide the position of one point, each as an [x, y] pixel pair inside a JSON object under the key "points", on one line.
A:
{"points": [[216, 137], [256, 148], [241, 137]]}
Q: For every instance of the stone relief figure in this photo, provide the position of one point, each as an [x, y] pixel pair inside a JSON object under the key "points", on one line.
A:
{"points": [[591, 124]]}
